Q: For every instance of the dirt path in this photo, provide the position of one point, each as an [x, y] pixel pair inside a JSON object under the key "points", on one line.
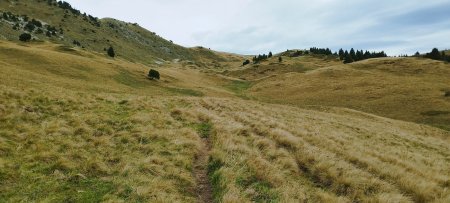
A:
{"points": [[204, 189]]}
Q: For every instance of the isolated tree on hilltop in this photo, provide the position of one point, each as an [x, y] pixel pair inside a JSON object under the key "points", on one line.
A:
{"points": [[435, 54], [270, 54], [111, 52]]}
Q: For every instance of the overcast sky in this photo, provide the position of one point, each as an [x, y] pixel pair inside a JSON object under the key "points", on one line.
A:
{"points": [[260, 26]]}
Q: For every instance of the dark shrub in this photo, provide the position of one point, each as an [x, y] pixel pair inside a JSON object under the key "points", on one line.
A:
{"points": [[30, 27], [25, 37], [246, 62], [111, 52], [153, 74]]}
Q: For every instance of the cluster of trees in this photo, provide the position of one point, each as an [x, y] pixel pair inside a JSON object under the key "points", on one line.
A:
{"points": [[259, 58], [9, 16], [33, 24], [66, 6], [324, 51], [435, 54], [298, 53], [358, 55], [63, 5], [344, 55]]}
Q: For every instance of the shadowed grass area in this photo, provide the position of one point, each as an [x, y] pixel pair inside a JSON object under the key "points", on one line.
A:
{"points": [[185, 92], [239, 88], [127, 78]]}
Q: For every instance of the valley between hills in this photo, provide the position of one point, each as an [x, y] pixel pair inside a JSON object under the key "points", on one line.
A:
{"points": [[77, 125]]}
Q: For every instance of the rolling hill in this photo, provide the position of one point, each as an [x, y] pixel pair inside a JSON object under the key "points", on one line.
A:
{"points": [[129, 40], [79, 126], [410, 89]]}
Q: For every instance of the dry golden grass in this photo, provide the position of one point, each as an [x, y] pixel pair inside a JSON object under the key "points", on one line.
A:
{"points": [[75, 126], [277, 153], [408, 89]]}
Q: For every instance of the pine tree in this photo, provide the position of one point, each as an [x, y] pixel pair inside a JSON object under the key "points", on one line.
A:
{"points": [[341, 54], [347, 57], [270, 55], [352, 54], [435, 54]]}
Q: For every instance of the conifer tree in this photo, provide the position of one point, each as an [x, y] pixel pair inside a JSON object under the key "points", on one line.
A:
{"points": [[341, 54]]}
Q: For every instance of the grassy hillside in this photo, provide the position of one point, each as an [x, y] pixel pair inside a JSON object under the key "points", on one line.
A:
{"points": [[76, 126], [409, 89], [130, 41]]}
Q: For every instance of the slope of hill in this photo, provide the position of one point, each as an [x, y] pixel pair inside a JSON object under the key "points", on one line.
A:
{"points": [[409, 89], [76, 126], [68, 26]]}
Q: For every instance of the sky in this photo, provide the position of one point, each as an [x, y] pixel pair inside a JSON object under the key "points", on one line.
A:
{"points": [[260, 26]]}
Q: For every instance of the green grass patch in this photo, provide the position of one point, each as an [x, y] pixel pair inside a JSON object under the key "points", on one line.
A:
{"points": [[300, 68], [263, 189], [239, 87], [186, 92], [204, 129], [216, 178], [86, 190], [127, 78]]}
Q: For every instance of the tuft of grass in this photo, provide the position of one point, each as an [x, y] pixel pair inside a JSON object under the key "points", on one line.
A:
{"points": [[262, 189], [216, 178], [204, 129]]}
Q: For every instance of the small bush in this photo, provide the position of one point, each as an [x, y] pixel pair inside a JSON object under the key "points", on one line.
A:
{"points": [[25, 37], [447, 94], [153, 74], [77, 43], [111, 52], [30, 27], [246, 62]]}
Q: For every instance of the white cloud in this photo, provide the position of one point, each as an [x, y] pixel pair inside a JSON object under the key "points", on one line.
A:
{"points": [[251, 26]]}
